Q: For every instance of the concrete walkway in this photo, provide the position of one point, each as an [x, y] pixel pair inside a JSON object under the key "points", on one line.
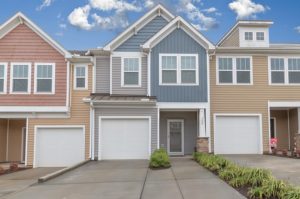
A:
{"points": [[286, 169], [14, 182], [133, 180]]}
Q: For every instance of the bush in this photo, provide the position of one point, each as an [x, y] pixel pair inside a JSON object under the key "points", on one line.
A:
{"points": [[160, 159], [270, 188]]}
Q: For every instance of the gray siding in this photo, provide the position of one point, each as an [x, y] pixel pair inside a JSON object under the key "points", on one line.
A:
{"points": [[116, 79], [179, 42], [190, 129], [102, 74], [127, 112], [134, 42]]}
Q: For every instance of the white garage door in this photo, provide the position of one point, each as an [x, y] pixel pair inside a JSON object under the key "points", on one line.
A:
{"points": [[59, 147], [124, 138], [237, 135]]}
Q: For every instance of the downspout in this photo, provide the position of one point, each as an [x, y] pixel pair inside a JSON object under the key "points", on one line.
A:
{"points": [[92, 131]]}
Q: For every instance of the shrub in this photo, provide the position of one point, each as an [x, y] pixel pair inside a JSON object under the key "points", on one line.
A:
{"points": [[159, 159], [291, 193]]}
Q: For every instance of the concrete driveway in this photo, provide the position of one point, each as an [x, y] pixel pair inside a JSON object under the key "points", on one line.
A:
{"points": [[133, 180], [21, 180], [286, 169]]}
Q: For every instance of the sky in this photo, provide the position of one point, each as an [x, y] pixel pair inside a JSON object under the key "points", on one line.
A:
{"points": [[86, 24]]}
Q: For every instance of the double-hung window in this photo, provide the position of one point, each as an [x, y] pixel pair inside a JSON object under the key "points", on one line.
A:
{"points": [[260, 36], [20, 81], [277, 71], [178, 69], [294, 70], [131, 75], [44, 78], [3, 79], [80, 77], [234, 70], [248, 36]]}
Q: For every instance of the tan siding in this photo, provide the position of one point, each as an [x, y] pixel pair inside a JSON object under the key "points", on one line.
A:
{"points": [[282, 128], [24, 45], [80, 115], [233, 40], [3, 133], [249, 99], [15, 139]]}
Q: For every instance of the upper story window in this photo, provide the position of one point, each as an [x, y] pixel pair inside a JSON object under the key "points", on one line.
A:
{"points": [[80, 77], [260, 36], [284, 70], [20, 81], [234, 70], [248, 36], [44, 78], [3, 77], [131, 75], [178, 69]]}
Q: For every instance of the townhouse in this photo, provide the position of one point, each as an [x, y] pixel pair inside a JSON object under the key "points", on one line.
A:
{"points": [[159, 84]]}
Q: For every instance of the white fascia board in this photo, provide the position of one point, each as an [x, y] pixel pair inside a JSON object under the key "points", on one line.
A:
{"points": [[22, 109], [195, 34], [283, 104], [129, 31]]}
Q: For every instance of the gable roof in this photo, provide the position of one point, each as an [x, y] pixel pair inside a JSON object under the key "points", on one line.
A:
{"points": [[245, 23], [178, 22], [158, 10], [20, 18]]}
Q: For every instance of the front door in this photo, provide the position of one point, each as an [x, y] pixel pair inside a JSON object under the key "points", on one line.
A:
{"points": [[175, 137]]}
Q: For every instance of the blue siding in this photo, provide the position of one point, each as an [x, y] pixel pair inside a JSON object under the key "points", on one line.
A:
{"points": [[133, 43], [179, 42]]}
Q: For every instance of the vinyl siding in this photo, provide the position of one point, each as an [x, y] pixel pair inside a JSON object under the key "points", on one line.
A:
{"points": [[179, 42], [133, 43], [190, 129], [249, 99], [24, 45], [102, 74], [135, 111], [233, 40], [116, 79], [79, 115], [293, 117]]}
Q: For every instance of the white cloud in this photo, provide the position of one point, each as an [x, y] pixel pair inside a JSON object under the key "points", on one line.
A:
{"points": [[297, 29], [246, 8], [197, 18], [112, 22], [63, 26], [46, 3], [210, 10], [79, 17], [149, 3], [118, 5]]}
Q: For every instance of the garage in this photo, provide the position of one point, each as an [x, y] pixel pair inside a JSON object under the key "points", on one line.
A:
{"points": [[124, 138], [59, 146], [238, 134]]}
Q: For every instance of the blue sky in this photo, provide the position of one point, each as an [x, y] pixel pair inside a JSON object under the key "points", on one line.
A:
{"points": [[84, 24]]}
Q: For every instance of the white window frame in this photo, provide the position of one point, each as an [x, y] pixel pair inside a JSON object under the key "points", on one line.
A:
{"points": [[245, 38], [52, 78], [75, 77], [5, 78], [123, 85], [12, 64], [286, 70], [234, 71], [178, 70], [260, 40]]}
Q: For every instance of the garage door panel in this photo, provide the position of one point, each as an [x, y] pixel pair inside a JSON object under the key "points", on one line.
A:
{"points": [[124, 138], [59, 147], [237, 135]]}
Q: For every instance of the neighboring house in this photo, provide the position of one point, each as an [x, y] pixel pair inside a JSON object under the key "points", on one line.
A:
{"points": [[44, 121], [151, 89], [254, 91]]}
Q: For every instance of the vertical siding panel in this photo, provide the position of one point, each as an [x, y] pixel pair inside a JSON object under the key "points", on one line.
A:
{"points": [[102, 74]]}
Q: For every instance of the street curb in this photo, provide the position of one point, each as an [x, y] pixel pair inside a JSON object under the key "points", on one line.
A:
{"points": [[60, 172]]}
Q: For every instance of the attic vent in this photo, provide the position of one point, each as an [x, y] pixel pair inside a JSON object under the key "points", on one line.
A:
{"points": [[21, 20], [178, 24], [159, 12]]}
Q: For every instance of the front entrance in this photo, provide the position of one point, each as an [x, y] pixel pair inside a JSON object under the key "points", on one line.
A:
{"points": [[176, 137]]}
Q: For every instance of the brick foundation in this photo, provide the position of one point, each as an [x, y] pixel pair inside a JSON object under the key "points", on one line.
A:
{"points": [[202, 145]]}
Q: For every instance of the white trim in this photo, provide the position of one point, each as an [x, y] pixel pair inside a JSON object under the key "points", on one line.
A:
{"points": [[269, 129], [123, 85], [53, 78], [22, 109], [182, 136], [179, 70], [234, 70], [4, 78], [149, 73], [127, 54], [26, 144], [68, 84], [22, 144], [36, 127], [140, 23], [158, 128], [275, 128], [122, 117], [86, 77], [181, 105], [12, 64], [94, 75], [207, 110], [287, 104], [92, 128], [110, 76], [259, 115]]}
